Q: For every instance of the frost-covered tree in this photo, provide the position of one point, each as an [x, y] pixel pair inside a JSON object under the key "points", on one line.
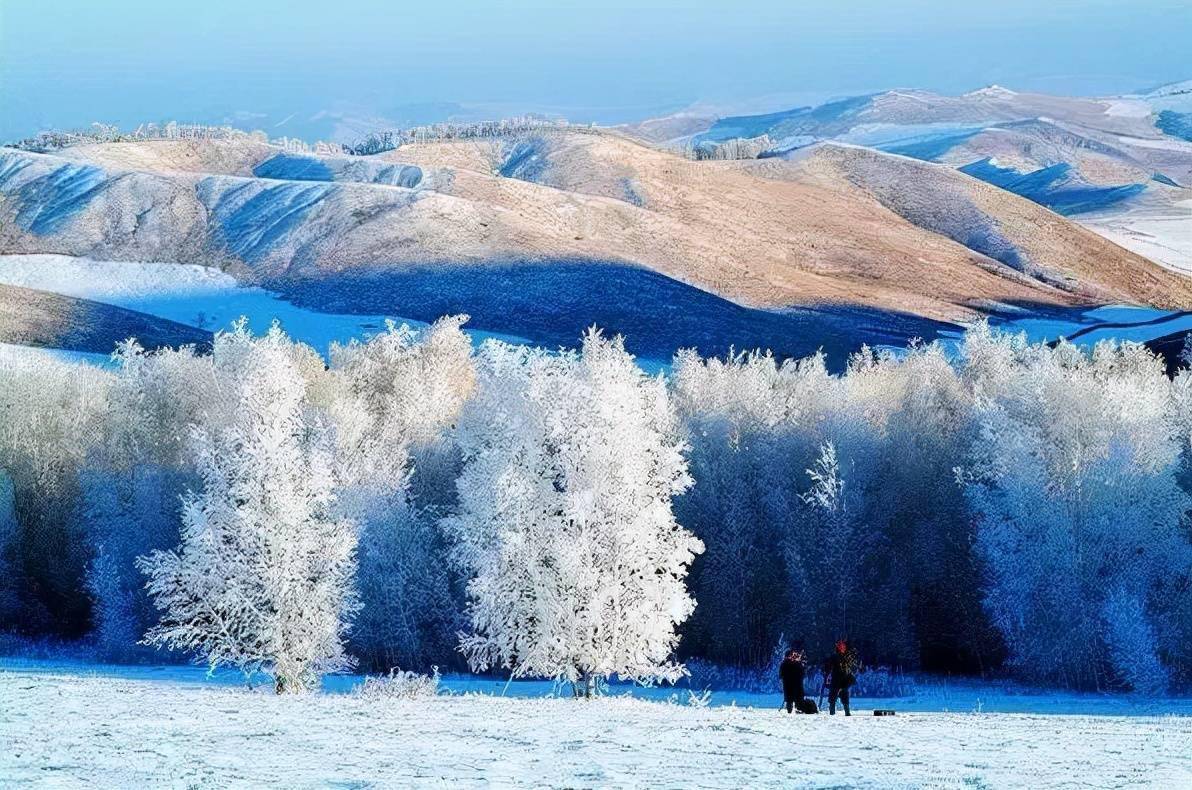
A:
{"points": [[10, 542], [156, 396], [785, 553], [825, 554], [1075, 481], [54, 421], [115, 625], [963, 505], [126, 514], [263, 577], [904, 420], [894, 548], [565, 524], [398, 393], [754, 427], [131, 491], [392, 400]]}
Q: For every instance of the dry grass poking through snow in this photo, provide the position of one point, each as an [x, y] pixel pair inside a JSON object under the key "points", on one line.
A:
{"points": [[71, 731]]}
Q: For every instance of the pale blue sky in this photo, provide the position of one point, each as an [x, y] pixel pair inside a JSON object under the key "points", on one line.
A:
{"points": [[258, 63]]}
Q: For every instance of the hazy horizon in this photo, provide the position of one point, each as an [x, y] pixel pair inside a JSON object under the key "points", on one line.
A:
{"points": [[306, 70]]}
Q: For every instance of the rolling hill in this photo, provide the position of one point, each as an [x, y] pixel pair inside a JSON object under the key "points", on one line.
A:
{"points": [[538, 235], [1121, 165]]}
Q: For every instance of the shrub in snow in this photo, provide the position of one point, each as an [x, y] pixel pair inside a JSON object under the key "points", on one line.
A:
{"points": [[883, 682], [577, 564], [400, 685], [704, 674], [691, 699], [263, 577], [871, 681]]}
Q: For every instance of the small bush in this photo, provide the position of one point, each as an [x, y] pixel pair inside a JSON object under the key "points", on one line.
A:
{"points": [[400, 685]]}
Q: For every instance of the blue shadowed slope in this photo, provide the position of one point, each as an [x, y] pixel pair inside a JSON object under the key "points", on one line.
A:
{"points": [[749, 125], [408, 176], [1164, 180], [1052, 187], [990, 173], [527, 160], [294, 167], [46, 203], [254, 215], [927, 148], [301, 167], [552, 303], [1176, 124], [633, 193], [10, 166], [821, 120]]}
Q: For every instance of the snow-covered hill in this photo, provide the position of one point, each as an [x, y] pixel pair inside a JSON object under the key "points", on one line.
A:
{"points": [[540, 233], [538, 236], [1122, 164]]}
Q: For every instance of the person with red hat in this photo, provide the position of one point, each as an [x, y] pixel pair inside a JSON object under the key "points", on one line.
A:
{"points": [[841, 669]]}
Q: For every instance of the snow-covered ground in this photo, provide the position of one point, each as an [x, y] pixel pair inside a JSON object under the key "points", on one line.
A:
{"points": [[1117, 322], [1083, 327], [211, 299], [1161, 233], [195, 295], [66, 729]]}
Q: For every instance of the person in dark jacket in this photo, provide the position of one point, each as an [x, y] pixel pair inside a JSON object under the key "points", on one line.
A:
{"points": [[841, 670], [791, 670]]}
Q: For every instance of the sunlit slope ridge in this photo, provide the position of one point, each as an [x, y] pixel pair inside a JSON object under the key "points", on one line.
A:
{"points": [[542, 231], [883, 229]]}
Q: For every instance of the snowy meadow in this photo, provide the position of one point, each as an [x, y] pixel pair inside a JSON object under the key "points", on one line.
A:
{"points": [[72, 731], [1011, 510]]}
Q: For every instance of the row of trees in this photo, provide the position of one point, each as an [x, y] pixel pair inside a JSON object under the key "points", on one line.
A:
{"points": [[53, 140], [565, 515], [377, 142], [735, 148]]}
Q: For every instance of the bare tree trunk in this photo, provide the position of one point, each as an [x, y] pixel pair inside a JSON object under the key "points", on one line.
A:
{"points": [[585, 687]]}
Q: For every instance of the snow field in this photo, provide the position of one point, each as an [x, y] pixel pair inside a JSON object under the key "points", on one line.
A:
{"points": [[70, 731], [199, 296], [196, 295]]}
